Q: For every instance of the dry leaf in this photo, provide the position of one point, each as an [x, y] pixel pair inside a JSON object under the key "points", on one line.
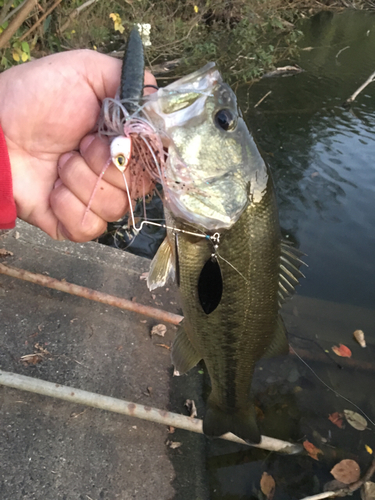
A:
{"points": [[360, 337], [355, 420], [192, 409], [337, 419], [143, 276], [267, 485], [174, 444], [342, 350], [159, 330], [347, 471], [368, 491], [312, 450], [31, 359], [5, 253], [368, 449]]}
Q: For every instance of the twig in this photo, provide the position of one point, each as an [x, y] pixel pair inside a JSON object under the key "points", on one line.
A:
{"points": [[75, 13], [342, 50], [163, 417], [7, 34], [40, 20], [4, 16], [369, 80], [342, 492], [88, 293], [261, 100]]}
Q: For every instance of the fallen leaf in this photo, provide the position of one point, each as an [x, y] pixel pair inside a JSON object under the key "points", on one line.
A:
{"points": [[267, 485], [165, 346], [5, 253], [312, 450], [355, 420], [192, 409], [337, 419], [347, 471], [360, 337], [342, 350], [143, 276], [171, 429], [159, 330], [31, 359], [174, 444], [368, 491], [368, 449]]}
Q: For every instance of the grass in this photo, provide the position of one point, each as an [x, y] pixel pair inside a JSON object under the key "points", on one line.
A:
{"points": [[244, 38]]}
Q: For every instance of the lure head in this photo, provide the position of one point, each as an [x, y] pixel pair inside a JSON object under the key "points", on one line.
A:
{"points": [[120, 152], [214, 168]]}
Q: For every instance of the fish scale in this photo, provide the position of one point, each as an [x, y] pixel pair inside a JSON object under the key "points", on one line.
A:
{"points": [[238, 332]]}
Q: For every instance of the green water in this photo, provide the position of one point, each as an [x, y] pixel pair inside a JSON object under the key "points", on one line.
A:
{"points": [[323, 161]]}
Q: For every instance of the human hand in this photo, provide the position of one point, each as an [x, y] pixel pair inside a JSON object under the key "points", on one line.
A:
{"points": [[47, 108]]}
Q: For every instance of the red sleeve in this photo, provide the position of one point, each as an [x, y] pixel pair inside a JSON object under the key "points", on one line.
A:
{"points": [[8, 212]]}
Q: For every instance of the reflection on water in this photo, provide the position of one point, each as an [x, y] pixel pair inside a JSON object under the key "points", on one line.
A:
{"points": [[322, 159], [322, 155]]}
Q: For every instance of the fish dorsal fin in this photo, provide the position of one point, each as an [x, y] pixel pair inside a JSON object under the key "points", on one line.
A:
{"points": [[289, 274], [184, 355], [161, 267]]}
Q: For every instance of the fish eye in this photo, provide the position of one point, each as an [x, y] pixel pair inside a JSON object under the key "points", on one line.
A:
{"points": [[120, 160], [225, 120]]}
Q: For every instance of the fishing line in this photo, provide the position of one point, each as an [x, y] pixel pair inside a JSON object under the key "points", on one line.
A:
{"points": [[331, 388]]}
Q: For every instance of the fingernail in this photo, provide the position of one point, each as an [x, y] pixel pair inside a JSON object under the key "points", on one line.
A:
{"points": [[63, 159], [85, 143], [57, 183]]}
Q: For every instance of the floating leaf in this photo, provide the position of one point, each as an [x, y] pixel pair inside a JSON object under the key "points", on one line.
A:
{"points": [[360, 337], [337, 419], [368, 491], [355, 420], [347, 471], [267, 485], [342, 350], [312, 450], [368, 449]]}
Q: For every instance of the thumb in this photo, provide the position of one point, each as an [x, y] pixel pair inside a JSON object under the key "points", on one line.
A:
{"points": [[103, 74]]}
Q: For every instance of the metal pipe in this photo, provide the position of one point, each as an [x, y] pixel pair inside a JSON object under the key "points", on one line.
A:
{"points": [[88, 293], [164, 417]]}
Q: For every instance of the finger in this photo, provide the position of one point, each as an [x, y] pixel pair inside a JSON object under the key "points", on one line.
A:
{"points": [[74, 223], [101, 197], [96, 154], [103, 73]]}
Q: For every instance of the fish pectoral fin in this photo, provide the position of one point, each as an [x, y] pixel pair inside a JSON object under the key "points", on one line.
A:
{"points": [[242, 423], [161, 268], [184, 355], [289, 274], [279, 345]]}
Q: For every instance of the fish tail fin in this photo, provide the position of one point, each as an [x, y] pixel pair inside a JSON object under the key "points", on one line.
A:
{"points": [[242, 423]]}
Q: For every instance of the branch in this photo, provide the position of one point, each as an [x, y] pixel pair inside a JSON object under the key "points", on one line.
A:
{"points": [[5, 9], [40, 20], [7, 34], [88, 293], [369, 80], [343, 492], [75, 13], [163, 417]]}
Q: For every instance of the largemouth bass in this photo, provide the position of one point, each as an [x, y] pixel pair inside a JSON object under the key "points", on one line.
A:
{"points": [[232, 281], [223, 243]]}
